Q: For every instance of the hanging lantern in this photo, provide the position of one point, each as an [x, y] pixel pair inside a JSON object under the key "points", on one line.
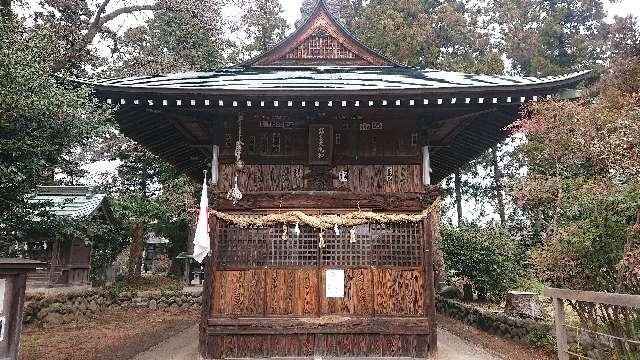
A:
{"points": [[296, 230], [321, 243], [336, 230], [285, 232]]}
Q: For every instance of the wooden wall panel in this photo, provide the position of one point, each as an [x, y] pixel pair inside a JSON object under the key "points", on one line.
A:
{"points": [[398, 292], [362, 178], [238, 293], [382, 178], [358, 294], [291, 291], [257, 178]]}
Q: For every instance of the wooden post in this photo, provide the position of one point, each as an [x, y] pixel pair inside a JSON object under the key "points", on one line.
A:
{"points": [[206, 344], [429, 229], [561, 332]]}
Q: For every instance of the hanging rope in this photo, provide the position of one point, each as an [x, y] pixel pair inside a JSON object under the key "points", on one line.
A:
{"points": [[325, 222], [234, 194]]}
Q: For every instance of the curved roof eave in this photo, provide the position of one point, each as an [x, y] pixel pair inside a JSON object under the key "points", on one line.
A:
{"points": [[193, 84]]}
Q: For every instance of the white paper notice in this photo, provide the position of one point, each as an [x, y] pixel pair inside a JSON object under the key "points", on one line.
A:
{"points": [[334, 283]]}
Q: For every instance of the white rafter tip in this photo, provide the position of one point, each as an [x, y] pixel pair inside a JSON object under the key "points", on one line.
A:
{"points": [[495, 100], [108, 101], [467, 100], [193, 102], [398, 102], [480, 100], [179, 102], [136, 101], [207, 102], [123, 101], [220, 103], [276, 103], [248, 103], [165, 102], [344, 104], [412, 102], [289, 103], [440, 101], [317, 103], [150, 102], [234, 104], [454, 100]]}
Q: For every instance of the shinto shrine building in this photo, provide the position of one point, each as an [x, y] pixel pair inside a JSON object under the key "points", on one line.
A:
{"points": [[322, 124]]}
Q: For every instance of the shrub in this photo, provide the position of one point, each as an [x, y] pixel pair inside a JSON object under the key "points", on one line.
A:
{"points": [[487, 256]]}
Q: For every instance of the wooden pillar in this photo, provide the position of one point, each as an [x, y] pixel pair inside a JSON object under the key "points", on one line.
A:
{"points": [[430, 229], [13, 278], [206, 345]]}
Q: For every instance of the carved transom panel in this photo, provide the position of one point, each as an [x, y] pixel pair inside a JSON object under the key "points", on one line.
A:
{"points": [[321, 45]]}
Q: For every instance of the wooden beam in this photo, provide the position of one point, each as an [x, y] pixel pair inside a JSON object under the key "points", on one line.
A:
{"points": [[319, 325], [398, 202], [594, 297]]}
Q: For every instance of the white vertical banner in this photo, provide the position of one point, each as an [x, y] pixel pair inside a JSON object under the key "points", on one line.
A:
{"points": [[201, 240], [426, 166], [215, 150]]}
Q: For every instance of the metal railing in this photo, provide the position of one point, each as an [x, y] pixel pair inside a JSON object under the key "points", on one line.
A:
{"points": [[610, 316]]}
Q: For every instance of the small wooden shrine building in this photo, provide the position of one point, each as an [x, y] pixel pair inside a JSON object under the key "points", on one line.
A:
{"points": [[323, 125], [66, 262]]}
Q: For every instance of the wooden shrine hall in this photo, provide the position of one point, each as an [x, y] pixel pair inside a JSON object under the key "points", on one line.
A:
{"points": [[324, 158]]}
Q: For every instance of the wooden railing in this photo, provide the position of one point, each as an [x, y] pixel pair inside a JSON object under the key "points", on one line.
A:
{"points": [[617, 314]]}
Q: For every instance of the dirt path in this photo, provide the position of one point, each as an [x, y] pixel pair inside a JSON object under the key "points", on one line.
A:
{"points": [[499, 347], [184, 345]]}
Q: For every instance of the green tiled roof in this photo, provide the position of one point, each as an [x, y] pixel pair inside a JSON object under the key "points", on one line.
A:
{"points": [[72, 201]]}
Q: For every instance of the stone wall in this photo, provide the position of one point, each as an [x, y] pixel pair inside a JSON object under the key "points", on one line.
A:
{"points": [[78, 305], [525, 331]]}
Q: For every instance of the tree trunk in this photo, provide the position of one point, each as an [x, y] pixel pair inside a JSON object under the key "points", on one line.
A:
{"points": [[497, 180], [134, 263], [458, 191]]}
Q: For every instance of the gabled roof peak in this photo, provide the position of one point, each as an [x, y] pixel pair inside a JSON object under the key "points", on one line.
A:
{"points": [[320, 41]]}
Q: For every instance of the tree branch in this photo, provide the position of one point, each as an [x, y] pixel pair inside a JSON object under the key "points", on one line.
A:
{"points": [[130, 9], [96, 25]]}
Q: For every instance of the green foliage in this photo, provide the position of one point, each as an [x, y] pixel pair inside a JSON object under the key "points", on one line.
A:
{"points": [[43, 120], [582, 190], [445, 35], [541, 338], [169, 42], [485, 256], [263, 24], [550, 37]]}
